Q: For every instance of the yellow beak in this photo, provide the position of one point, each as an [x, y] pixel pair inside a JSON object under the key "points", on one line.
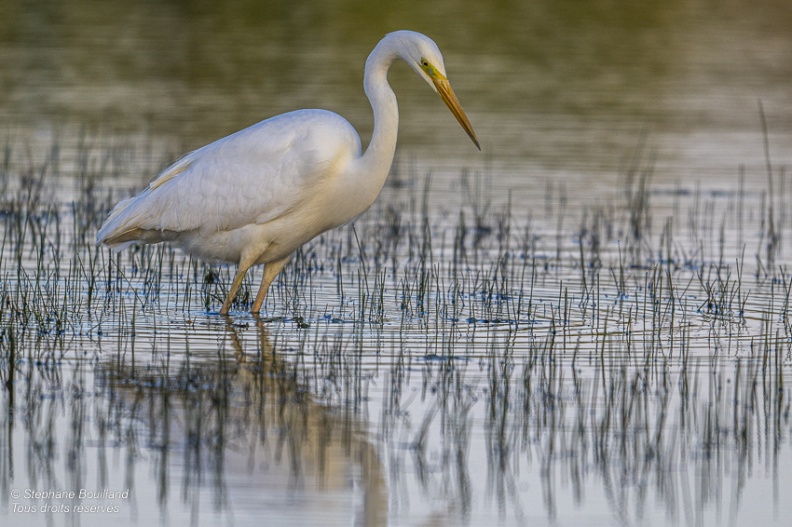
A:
{"points": [[445, 91]]}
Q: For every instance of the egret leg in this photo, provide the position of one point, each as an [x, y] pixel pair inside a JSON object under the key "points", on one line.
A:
{"points": [[271, 270], [240, 275]]}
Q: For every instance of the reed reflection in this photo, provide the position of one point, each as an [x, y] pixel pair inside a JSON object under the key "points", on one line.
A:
{"points": [[522, 434]]}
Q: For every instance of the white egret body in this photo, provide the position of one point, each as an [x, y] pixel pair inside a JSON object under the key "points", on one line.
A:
{"points": [[257, 195]]}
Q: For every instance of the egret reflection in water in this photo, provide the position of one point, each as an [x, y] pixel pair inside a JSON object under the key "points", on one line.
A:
{"points": [[234, 436], [243, 427]]}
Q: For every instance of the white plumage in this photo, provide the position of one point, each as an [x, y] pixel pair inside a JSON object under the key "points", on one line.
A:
{"points": [[257, 195]]}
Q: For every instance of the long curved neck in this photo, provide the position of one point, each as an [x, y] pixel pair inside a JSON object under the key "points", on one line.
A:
{"points": [[379, 154]]}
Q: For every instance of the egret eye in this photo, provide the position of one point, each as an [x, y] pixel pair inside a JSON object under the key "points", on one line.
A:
{"points": [[424, 63]]}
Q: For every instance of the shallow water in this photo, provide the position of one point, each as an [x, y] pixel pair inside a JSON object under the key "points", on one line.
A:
{"points": [[587, 323]]}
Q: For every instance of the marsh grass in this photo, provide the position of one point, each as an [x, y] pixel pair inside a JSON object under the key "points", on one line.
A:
{"points": [[631, 353]]}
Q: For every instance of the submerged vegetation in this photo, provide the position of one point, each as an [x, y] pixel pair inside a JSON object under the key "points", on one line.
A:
{"points": [[482, 359]]}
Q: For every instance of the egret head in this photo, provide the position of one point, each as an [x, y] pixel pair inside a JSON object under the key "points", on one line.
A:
{"points": [[423, 56]]}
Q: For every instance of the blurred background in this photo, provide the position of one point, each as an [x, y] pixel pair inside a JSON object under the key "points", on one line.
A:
{"points": [[553, 88]]}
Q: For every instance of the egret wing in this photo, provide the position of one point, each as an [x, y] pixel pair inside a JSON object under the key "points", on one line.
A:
{"points": [[253, 176]]}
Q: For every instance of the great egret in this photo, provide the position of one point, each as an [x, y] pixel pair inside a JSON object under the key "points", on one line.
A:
{"points": [[257, 195]]}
